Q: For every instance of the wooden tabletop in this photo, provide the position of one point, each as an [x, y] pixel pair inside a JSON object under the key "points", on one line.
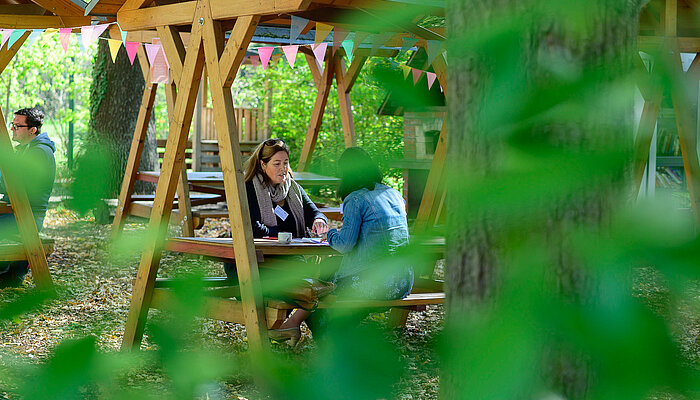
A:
{"points": [[5, 208], [223, 247], [217, 178]]}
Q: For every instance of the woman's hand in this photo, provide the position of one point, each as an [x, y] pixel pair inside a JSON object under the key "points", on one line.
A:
{"points": [[320, 226]]}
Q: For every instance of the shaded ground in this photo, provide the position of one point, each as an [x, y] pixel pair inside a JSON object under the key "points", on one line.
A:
{"points": [[94, 289]]}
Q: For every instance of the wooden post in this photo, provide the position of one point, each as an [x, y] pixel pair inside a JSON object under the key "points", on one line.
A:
{"points": [[137, 142], [180, 121], [645, 132], [222, 65], [18, 195], [324, 89], [430, 203], [344, 102]]}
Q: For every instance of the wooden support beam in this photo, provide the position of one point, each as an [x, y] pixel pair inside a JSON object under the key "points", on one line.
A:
{"points": [[137, 142], [671, 18], [18, 195], [172, 41], [234, 53], [317, 115], [167, 184], [62, 8], [430, 203], [354, 71], [645, 133], [182, 13], [313, 66], [222, 64], [643, 80], [686, 134], [344, 102], [41, 22], [134, 4]]}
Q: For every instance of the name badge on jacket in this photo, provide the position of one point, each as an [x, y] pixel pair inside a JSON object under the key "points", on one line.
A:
{"points": [[279, 211]]}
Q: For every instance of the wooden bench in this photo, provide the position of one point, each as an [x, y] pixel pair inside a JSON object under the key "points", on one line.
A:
{"points": [[14, 251], [209, 150]]}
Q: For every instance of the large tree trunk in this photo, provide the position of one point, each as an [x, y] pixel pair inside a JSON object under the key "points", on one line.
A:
{"points": [[538, 141], [116, 94]]}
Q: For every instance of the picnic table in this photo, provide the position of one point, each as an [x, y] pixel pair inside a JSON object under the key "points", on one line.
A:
{"points": [[5, 208]]}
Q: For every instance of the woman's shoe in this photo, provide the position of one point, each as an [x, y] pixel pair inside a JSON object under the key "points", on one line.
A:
{"points": [[281, 335]]}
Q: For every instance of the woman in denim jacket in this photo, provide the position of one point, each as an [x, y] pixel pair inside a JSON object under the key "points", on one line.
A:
{"points": [[374, 229]]}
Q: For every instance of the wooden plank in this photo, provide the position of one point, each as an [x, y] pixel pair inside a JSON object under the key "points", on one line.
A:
{"points": [[316, 116], [41, 22], [431, 194], [222, 247], [643, 81], [354, 71], [671, 18], [132, 163], [313, 66], [440, 68], [134, 4], [232, 168], [17, 252], [23, 213], [213, 307], [170, 38], [645, 133], [165, 190], [182, 13], [6, 55], [344, 102], [62, 8], [234, 53], [21, 9]]}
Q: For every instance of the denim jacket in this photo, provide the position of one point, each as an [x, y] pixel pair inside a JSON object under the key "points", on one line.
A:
{"points": [[374, 226]]}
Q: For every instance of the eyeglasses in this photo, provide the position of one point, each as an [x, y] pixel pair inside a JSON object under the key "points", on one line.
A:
{"points": [[272, 142], [13, 125]]}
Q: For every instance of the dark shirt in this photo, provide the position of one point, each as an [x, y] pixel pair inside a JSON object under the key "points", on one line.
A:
{"points": [[311, 213]]}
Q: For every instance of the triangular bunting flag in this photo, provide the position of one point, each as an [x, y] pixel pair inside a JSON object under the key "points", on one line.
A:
{"points": [[291, 53], [348, 46], [64, 36], [98, 30], [14, 36], [431, 78], [379, 40], [86, 35], [322, 31], [298, 24], [131, 49], [320, 52], [406, 71], [151, 51], [408, 43], [416, 75], [5, 36], [339, 34], [114, 46], [265, 54], [33, 37], [255, 60], [80, 43], [359, 38], [122, 32], [434, 47]]}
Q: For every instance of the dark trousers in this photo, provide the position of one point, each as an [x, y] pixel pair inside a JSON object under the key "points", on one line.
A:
{"points": [[12, 273]]}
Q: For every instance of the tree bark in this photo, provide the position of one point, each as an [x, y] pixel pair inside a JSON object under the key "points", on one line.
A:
{"points": [[116, 94], [515, 68]]}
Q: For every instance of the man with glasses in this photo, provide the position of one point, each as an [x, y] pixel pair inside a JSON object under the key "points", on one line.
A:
{"points": [[36, 165]]}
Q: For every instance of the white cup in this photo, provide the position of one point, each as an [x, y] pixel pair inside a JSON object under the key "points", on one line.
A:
{"points": [[284, 237]]}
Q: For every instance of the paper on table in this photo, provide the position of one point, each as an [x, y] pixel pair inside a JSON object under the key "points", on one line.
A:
{"points": [[306, 240]]}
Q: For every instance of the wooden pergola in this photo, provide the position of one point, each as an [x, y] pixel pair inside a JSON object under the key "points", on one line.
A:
{"points": [[206, 23]]}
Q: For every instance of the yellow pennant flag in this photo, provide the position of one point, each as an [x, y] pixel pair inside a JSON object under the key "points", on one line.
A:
{"points": [[406, 71], [322, 30], [114, 48]]}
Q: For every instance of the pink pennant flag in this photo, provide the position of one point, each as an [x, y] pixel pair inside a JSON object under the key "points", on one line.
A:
{"points": [[291, 53], [416, 75], [98, 30], [255, 60], [165, 58], [265, 54], [151, 51], [131, 49], [320, 52], [86, 35], [431, 78], [64, 37], [339, 34], [5, 35]]}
